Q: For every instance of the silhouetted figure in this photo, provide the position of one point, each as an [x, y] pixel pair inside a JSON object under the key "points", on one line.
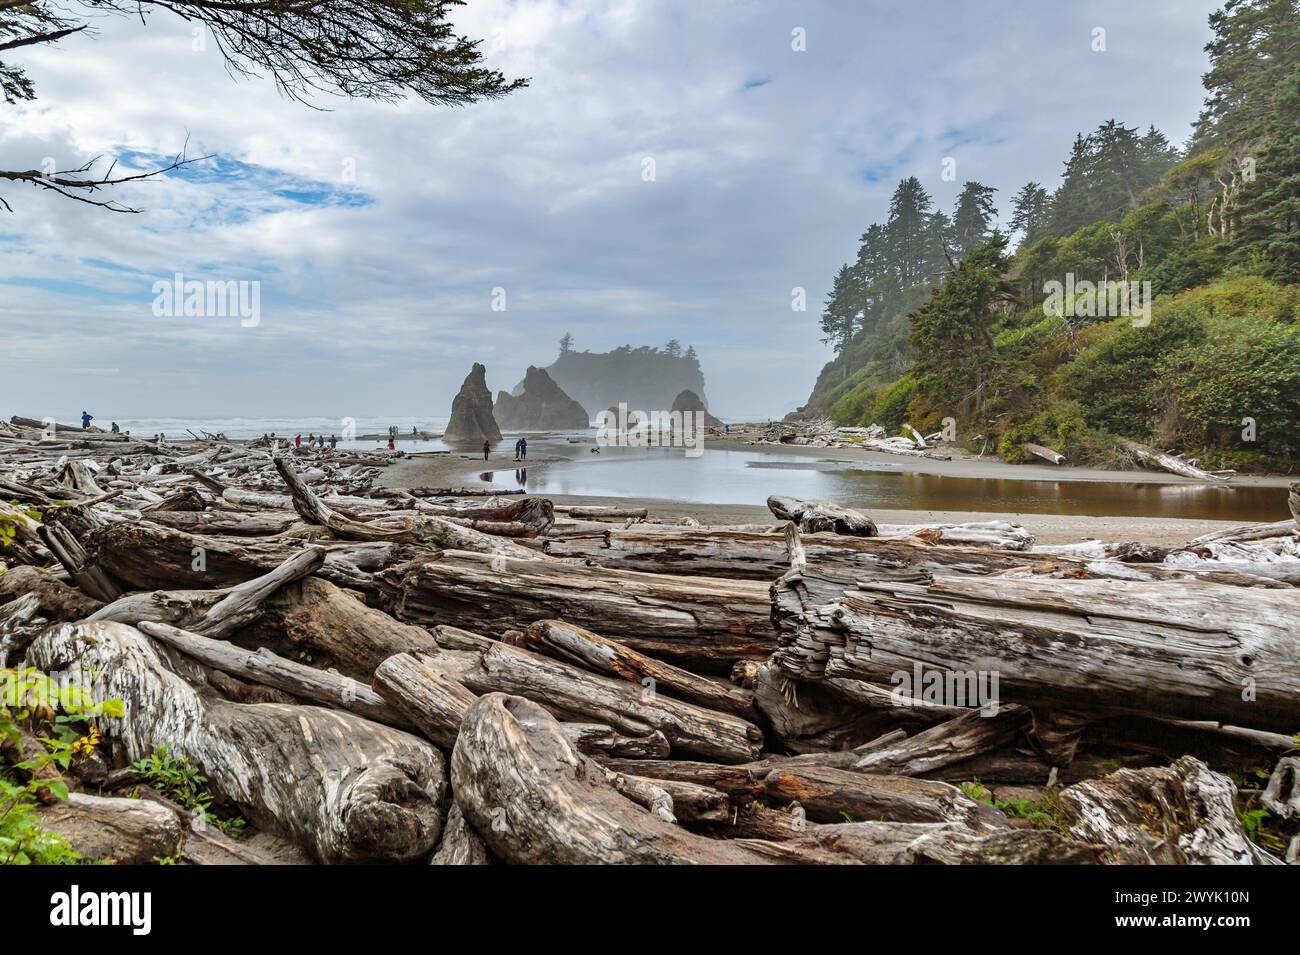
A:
{"points": [[523, 449], [334, 441], [487, 446], [115, 429]]}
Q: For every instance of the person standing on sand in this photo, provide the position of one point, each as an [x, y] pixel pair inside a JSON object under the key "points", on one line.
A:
{"points": [[86, 418], [487, 446], [391, 446], [334, 441], [297, 441], [517, 442], [523, 449]]}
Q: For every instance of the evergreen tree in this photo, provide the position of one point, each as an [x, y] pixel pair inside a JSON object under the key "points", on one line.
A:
{"points": [[566, 344], [840, 317], [952, 333], [1256, 44], [1030, 212], [1270, 206], [973, 219]]}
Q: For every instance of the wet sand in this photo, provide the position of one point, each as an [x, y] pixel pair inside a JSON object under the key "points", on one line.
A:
{"points": [[464, 469]]}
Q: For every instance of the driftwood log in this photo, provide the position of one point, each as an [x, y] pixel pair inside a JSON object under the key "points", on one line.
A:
{"points": [[346, 789], [702, 623], [1182, 650]]}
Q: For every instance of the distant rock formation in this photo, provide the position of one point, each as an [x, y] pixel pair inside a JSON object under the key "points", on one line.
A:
{"points": [[541, 406], [471, 411], [689, 401], [645, 379]]}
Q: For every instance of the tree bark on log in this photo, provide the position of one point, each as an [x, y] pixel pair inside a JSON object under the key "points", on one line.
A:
{"points": [[346, 789], [331, 623], [1176, 815], [829, 795], [563, 641], [704, 624], [460, 844], [1174, 649], [814, 516], [1047, 454], [1169, 462], [486, 666], [264, 667], [534, 799], [213, 613], [114, 829], [417, 531]]}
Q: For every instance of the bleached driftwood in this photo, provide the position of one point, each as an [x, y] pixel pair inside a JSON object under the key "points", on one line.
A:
{"points": [[345, 788]]}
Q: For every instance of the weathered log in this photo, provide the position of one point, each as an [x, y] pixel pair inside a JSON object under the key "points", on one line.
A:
{"points": [[534, 799], [316, 617], [1047, 454], [1175, 815], [114, 829], [605, 513], [914, 843], [750, 555], [816, 516], [1282, 794], [486, 666], [57, 600], [213, 613], [598, 739], [702, 623], [1171, 462], [460, 844], [148, 556], [1183, 650], [436, 704], [424, 529], [300, 680], [831, 795], [431, 701], [563, 641], [832, 715], [20, 623], [1250, 532], [345, 788]]}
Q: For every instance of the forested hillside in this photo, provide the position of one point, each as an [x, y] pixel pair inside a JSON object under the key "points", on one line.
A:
{"points": [[939, 317]]}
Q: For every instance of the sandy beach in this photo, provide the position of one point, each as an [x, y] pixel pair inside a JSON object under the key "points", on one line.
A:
{"points": [[466, 469]]}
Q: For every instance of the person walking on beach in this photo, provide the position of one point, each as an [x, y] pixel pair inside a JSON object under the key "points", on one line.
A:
{"points": [[297, 441], [86, 418], [517, 443], [523, 449], [391, 446], [334, 441], [487, 446]]}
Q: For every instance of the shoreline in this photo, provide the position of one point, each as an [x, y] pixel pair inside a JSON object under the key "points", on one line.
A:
{"points": [[460, 468]]}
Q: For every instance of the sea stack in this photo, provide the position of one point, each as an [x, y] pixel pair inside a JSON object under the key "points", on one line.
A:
{"points": [[688, 401], [541, 406], [471, 411]]}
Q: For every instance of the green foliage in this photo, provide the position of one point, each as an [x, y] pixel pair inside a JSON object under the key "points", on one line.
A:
{"points": [[30, 697], [180, 781], [1044, 812], [1215, 231]]}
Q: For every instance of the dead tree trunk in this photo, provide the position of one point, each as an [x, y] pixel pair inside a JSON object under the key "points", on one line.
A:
{"points": [[346, 789]]}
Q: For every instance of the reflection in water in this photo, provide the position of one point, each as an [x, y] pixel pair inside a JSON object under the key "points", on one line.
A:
{"points": [[521, 477], [739, 477]]}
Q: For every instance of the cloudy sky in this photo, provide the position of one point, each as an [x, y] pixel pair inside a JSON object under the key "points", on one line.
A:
{"points": [[379, 232]]}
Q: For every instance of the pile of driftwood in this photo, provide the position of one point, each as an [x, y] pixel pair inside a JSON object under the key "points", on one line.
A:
{"points": [[373, 675]]}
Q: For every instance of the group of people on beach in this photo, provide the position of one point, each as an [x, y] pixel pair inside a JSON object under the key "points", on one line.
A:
{"points": [[521, 449]]}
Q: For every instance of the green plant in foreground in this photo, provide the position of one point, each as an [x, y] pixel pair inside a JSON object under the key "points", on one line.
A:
{"points": [[176, 778], [30, 696], [1043, 812]]}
